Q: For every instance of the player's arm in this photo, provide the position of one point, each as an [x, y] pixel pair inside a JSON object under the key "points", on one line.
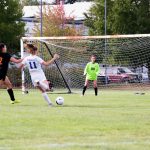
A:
{"points": [[12, 59], [86, 69], [97, 69], [47, 63], [21, 66], [23, 63]]}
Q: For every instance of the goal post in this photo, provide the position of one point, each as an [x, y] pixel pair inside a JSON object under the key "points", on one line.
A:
{"points": [[66, 84], [124, 60]]}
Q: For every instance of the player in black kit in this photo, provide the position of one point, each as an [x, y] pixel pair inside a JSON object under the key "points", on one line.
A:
{"points": [[5, 58]]}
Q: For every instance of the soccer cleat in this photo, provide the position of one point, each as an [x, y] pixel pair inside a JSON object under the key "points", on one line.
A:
{"points": [[81, 95], [14, 102]]}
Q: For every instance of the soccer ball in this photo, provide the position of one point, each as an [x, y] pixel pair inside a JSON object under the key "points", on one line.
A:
{"points": [[59, 100], [25, 92]]}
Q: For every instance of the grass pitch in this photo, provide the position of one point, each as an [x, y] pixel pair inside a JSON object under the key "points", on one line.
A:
{"points": [[114, 120]]}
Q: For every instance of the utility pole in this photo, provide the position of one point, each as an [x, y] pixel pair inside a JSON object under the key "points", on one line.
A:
{"points": [[106, 52], [41, 12]]}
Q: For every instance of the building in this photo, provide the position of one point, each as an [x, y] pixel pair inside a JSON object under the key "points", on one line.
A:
{"points": [[76, 10]]}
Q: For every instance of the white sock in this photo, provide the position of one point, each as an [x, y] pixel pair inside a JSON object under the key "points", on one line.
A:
{"points": [[46, 98]]}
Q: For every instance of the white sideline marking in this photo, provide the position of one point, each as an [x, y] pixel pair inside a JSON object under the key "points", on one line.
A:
{"points": [[66, 145], [56, 145]]}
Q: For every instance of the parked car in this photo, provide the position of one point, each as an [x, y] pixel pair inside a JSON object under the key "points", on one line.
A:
{"points": [[102, 78], [120, 74]]}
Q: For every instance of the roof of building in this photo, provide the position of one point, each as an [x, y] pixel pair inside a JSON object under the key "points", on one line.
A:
{"points": [[75, 10]]}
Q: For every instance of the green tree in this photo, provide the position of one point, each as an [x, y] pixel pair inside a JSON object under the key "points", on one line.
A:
{"points": [[95, 18], [131, 17], [11, 28], [123, 17], [29, 2]]}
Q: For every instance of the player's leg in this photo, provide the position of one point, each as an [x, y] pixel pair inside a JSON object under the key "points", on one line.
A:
{"points": [[8, 84], [50, 86], [39, 80], [85, 86], [95, 87], [45, 96], [43, 86]]}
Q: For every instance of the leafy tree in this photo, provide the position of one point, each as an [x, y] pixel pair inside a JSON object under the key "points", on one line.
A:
{"points": [[11, 28], [131, 17], [95, 18], [123, 17], [29, 2], [54, 23]]}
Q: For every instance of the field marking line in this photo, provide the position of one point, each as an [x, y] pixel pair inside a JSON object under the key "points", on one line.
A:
{"points": [[56, 145]]}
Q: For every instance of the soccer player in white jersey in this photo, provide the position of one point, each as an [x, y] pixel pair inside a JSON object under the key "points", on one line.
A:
{"points": [[34, 64]]}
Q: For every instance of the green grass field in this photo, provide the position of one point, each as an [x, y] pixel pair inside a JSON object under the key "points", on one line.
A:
{"points": [[114, 120]]}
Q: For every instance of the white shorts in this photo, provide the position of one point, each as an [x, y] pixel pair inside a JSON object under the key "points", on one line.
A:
{"points": [[38, 77]]}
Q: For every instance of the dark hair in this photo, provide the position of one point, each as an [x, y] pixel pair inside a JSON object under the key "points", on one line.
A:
{"points": [[93, 56], [34, 48], [30, 46], [2, 45]]}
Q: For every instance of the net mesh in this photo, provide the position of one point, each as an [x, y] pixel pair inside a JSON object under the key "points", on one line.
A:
{"points": [[124, 62]]}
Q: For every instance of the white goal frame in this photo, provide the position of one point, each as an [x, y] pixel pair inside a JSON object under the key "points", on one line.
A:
{"points": [[74, 38]]}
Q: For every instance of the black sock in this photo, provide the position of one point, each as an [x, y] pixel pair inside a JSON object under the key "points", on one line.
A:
{"points": [[96, 91], [84, 89], [11, 94]]}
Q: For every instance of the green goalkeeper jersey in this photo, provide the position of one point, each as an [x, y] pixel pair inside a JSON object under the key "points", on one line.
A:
{"points": [[91, 71]]}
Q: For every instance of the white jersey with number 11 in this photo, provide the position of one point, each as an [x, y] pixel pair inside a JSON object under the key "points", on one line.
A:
{"points": [[34, 63]]}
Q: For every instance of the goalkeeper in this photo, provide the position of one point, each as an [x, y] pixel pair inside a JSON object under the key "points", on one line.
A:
{"points": [[91, 71]]}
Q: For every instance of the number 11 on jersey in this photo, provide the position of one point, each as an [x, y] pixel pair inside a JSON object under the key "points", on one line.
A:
{"points": [[33, 65]]}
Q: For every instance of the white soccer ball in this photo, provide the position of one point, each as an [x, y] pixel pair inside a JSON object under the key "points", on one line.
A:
{"points": [[25, 92], [59, 100]]}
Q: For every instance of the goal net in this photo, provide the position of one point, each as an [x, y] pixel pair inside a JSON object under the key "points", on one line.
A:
{"points": [[124, 61]]}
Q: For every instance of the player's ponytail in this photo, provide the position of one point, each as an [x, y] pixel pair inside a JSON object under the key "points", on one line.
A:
{"points": [[32, 48], [2, 45]]}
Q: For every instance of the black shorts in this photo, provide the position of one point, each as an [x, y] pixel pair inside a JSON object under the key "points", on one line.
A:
{"points": [[2, 77]]}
